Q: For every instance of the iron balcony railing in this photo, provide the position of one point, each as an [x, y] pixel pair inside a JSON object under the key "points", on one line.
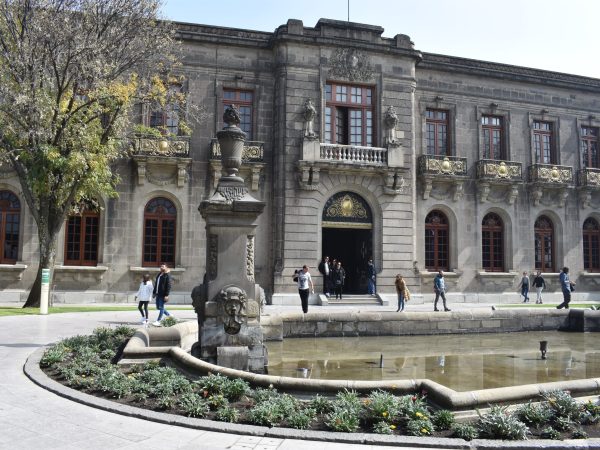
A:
{"points": [[551, 174], [494, 170], [450, 166]]}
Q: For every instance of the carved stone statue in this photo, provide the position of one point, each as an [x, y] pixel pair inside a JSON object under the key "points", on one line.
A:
{"points": [[233, 300], [309, 113], [231, 116], [390, 121]]}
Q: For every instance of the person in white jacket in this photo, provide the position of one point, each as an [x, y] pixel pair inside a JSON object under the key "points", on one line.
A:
{"points": [[144, 295]]}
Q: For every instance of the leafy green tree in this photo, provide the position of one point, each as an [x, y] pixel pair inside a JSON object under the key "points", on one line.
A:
{"points": [[70, 71]]}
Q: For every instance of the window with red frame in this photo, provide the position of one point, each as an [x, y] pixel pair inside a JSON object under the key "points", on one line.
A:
{"points": [[436, 241], [243, 102], [493, 137], [543, 142], [591, 245], [160, 225], [436, 132], [349, 115], [589, 147], [81, 240], [492, 243], [166, 119], [544, 244], [10, 214]]}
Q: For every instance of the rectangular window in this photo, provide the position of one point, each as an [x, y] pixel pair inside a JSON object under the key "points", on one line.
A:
{"points": [[167, 118], [543, 142], [243, 102], [81, 242], [436, 132], [589, 147], [349, 115], [493, 137]]}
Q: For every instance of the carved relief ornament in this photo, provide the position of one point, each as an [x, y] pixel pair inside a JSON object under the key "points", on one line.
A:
{"points": [[350, 64]]}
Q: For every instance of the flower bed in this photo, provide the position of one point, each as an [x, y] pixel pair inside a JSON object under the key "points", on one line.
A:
{"points": [[88, 363]]}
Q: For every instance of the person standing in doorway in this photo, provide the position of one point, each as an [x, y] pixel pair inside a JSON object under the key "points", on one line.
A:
{"points": [[372, 280], [305, 287], [339, 276], [162, 289], [324, 270], [539, 284], [524, 285], [439, 286], [566, 286]]}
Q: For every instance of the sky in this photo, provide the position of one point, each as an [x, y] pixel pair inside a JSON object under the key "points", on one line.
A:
{"points": [[557, 35]]}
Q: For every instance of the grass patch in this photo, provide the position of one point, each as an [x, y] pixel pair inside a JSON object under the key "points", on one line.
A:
{"points": [[18, 311]]}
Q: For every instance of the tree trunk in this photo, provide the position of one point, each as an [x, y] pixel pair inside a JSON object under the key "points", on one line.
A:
{"points": [[47, 258]]}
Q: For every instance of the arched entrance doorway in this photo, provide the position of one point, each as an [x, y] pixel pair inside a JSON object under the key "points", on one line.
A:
{"points": [[347, 235]]}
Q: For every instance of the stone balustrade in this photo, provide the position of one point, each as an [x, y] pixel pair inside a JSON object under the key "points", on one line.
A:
{"points": [[589, 177], [353, 154], [499, 171], [168, 146], [551, 174], [442, 165]]}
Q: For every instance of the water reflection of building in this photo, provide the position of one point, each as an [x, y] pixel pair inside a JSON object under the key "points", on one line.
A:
{"points": [[422, 161]]}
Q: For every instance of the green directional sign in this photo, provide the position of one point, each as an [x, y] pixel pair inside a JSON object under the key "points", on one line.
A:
{"points": [[45, 276]]}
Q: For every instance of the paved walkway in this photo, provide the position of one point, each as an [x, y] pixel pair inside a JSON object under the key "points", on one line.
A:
{"points": [[33, 418]]}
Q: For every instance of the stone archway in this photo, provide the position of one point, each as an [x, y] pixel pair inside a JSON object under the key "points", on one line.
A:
{"points": [[347, 235]]}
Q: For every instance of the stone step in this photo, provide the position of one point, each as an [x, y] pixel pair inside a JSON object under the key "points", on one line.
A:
{"points": [[355, 300]]}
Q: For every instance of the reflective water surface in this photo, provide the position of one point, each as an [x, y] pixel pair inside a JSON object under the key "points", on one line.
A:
{"points": [[460, 362]]}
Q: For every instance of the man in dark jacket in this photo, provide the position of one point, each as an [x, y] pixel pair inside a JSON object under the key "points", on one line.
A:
{"points": [[325, 269], [161, 291]]}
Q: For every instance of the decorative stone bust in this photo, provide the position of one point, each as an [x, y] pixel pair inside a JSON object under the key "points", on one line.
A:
{"points": [[231, 116], [233, 301], [309, 113]]}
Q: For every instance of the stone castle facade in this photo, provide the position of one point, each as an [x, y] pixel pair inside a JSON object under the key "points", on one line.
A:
{"points": [[361, 146]]}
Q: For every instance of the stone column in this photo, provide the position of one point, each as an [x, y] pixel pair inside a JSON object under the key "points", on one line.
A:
{"points": [[228, 302]]}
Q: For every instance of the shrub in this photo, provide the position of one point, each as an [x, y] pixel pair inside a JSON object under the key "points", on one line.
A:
{"points": [[216, 401], [550, 433], [113, 383], [534, 414], [261, 395], [563, 424], [464, 431], [321, 405], [227, 413], [55, 354], [193, 405], [500, 424], [381, 406], [212, 384], [233, 389], [419, 427], [342, 419], [383, 427], [563, 405], [169, 321], [578, 433], [165, 401], [348, 400], [409, 405], [273, 409], [301, 419], [443, 419]]}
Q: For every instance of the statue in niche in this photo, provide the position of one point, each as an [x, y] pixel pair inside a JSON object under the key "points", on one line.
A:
{"points": [[233, 301], [309, 113], [390, 121]]}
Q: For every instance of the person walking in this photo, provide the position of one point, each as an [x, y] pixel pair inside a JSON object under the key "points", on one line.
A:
{"points": [[372, 278], [324, 269], [439, 286], [305, 286], [539, 284], [143, 296], [161, 292], [401, 290], [339, 276], [566, 286], [524, 285]]}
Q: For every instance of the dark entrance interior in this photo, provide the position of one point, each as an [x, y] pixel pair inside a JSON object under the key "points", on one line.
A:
{"points": [[353, 247]]}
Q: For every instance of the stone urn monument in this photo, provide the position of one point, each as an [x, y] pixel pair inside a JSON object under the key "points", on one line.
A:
{"points": [[228, 301]]}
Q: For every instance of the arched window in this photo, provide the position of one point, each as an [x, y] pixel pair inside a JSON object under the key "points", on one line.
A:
{"points": [[492, 243], [544, 244], [436, 241], [160, 223], [591, 245], [82, 237], [10, 212]]}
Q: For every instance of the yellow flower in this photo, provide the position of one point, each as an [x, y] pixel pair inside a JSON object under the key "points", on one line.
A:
{"points": [[367, 401], [82, 376], [418, 414], [384, 414], [392, 427], [393, 386], [424, 430]]}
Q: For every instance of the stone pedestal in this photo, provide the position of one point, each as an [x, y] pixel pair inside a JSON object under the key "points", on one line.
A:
{"points": [[228, 301]]}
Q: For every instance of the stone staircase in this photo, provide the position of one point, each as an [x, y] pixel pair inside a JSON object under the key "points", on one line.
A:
{"points": [[351, 299]]}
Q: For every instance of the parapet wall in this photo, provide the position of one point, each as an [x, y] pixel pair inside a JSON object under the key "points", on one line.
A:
{"points": [[336, 324]]}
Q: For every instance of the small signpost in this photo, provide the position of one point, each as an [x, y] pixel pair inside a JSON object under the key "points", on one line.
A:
{"points": [[45, 293]]}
